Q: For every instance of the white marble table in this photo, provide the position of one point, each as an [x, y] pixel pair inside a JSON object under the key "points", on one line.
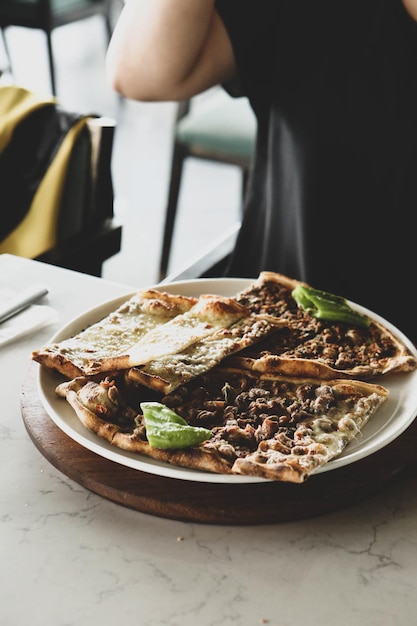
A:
{"points": [[69, 557]]}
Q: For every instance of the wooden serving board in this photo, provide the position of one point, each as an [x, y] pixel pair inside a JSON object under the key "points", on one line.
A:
{"points": [[213, 503]]}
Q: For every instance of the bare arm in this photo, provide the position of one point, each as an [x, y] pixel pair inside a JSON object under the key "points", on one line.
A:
{"points": [[411, 6], [168, 50]]}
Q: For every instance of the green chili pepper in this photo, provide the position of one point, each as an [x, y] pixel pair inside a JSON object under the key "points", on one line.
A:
{"points": [[327, 306], [166, 429]]}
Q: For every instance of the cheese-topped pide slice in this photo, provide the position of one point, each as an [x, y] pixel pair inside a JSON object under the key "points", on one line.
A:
{"points": [[210, 314], [168, 371], [114, 335], [202, 320]]}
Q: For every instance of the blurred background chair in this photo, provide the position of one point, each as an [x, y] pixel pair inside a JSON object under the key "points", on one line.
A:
{"points": [[87, 232], [223, 129], [46, 15], [68, 219]]}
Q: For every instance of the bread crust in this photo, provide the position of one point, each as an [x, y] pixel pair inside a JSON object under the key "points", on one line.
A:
{"points": [[304, 347], [290, 452], [114, 334], [282, 392], [192, 458], [317, 348]]}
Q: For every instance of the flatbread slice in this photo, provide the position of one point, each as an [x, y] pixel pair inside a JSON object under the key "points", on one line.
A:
{"points": [[114, 334], [276, 428], [209, 314], [315, 347], [169, 371], [104, 409]]}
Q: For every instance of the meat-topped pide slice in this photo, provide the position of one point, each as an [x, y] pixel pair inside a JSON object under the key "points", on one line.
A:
{"points": [[309, 346], [277, 428]]}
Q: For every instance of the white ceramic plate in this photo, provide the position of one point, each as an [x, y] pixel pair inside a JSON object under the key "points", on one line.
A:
{"points": [[395, 415]]}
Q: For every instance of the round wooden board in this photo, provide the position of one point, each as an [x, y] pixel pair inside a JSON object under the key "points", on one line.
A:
{"points": [[212, 503]]}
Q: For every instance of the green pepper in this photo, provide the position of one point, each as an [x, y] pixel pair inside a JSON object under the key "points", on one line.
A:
{"points": [[327, 306], [166, 429]]}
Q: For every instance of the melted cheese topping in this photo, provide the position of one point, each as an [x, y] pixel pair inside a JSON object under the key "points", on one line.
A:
{"points": [[322, 438], [210, 314], [169, 371], [117, 332]]}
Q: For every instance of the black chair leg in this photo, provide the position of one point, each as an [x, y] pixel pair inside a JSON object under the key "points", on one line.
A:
{"points": [[51, 63], [7, 51], [108, 20], [245, 178], [113, 9], [171, 210]]}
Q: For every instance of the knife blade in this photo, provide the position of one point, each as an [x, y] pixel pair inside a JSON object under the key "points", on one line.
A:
{"points": [[21, 301]]}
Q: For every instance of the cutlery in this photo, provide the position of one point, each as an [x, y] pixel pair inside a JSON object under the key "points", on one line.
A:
{"points": [[21, 301]]}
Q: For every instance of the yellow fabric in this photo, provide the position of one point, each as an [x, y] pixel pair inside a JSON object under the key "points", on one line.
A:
{"points": [[15, 104], [36, 233]]}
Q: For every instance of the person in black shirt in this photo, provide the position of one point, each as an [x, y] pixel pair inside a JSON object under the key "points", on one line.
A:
{"points": [[333, 189]]}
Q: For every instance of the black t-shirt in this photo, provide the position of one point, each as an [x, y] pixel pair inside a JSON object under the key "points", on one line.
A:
{"points": [[333, 193]]}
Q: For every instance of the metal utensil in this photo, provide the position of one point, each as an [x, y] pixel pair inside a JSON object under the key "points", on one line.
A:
{"points": [[21, 301]]}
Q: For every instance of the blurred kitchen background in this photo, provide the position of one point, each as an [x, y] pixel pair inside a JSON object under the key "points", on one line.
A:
{"points": [[210, 195]]}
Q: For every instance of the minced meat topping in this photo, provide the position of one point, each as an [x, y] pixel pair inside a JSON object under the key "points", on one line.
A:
{"points": [[339, 345]]}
